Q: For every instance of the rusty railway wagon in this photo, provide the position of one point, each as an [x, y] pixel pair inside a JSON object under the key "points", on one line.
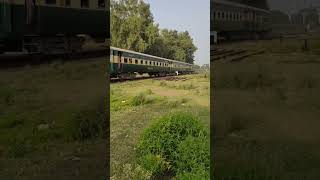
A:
{"points": [[235, 20], [51, 26], [128, 63]]}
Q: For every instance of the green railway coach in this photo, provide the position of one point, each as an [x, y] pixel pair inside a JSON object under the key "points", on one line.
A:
{"points": [[125, 62], [38, 25]]}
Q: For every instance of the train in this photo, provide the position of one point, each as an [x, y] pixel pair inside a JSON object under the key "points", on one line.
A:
{"points": [[236, 20], [52, 26], [127, 63]]}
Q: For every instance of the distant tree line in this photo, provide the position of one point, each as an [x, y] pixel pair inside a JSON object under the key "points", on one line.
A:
{"points": [[133, 28]]}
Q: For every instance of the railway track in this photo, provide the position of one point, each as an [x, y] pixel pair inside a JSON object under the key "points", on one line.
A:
{"points": [[14, 60], [231, 55], [170, 77]]}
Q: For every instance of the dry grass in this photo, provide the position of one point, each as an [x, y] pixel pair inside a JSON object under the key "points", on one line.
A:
{"points": [[61, 98], [266, 115]]}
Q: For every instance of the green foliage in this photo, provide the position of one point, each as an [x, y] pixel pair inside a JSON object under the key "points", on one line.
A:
{"points": [[149, 91], [163, 136], [176, 143], [177, 45], [90, 123], [133, 27], [193, 154], [155, 164], [187, 86], [142, 98], [128, 171], [196, 174]]}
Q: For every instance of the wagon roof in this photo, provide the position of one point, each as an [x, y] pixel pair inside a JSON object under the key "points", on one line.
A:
{"points": [[129, 51], [239, 5]]}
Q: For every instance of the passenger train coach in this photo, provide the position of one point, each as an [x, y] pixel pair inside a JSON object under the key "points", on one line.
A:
{"points": [[127, 63], [233, 20], [47, 26]]}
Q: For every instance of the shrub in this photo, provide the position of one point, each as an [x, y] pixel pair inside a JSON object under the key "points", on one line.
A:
{"points": [[193, 154], [149, 91], [88, 124], [141, 99], [163, 137], [155, 164], [196, 174], [187, 86], [184, 100]]}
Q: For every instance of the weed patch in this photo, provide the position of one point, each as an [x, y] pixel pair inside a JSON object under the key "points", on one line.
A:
{"points": [[130, 172], [142, 98], [162, 145], [87, 124]]}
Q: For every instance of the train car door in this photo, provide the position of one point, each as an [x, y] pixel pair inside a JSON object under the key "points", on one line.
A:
{"points": [[120, 64]]}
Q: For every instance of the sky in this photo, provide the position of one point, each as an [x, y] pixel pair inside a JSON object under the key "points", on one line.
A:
{"points": [[186, 15]]}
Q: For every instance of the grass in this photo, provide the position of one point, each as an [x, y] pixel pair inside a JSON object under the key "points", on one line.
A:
{"points": [[266, 114], [47, 112], [130, 120]]}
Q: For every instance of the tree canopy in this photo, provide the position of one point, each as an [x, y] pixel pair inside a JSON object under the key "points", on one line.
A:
{"points": [[133, 28]]}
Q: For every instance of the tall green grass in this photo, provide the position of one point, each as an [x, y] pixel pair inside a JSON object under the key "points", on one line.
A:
{"points": [[176, 144]]}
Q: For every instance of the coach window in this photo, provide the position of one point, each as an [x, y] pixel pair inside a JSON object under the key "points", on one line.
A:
{"points": [[67, 3], [84, 3], [136, 61], [101, 4], [130, 60], [125, 60], [51, 2]]}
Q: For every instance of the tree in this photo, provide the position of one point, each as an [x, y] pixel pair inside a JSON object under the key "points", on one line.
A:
{"points": [[131, 25], [133, 28]]}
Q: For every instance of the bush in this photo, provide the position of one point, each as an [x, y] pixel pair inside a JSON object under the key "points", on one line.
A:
{"points": [[88, 124], [163, 83], [149, 91], [155, 164], [164, 135], [193, 154], [160, 149], [196, 174], [141, 99]]}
